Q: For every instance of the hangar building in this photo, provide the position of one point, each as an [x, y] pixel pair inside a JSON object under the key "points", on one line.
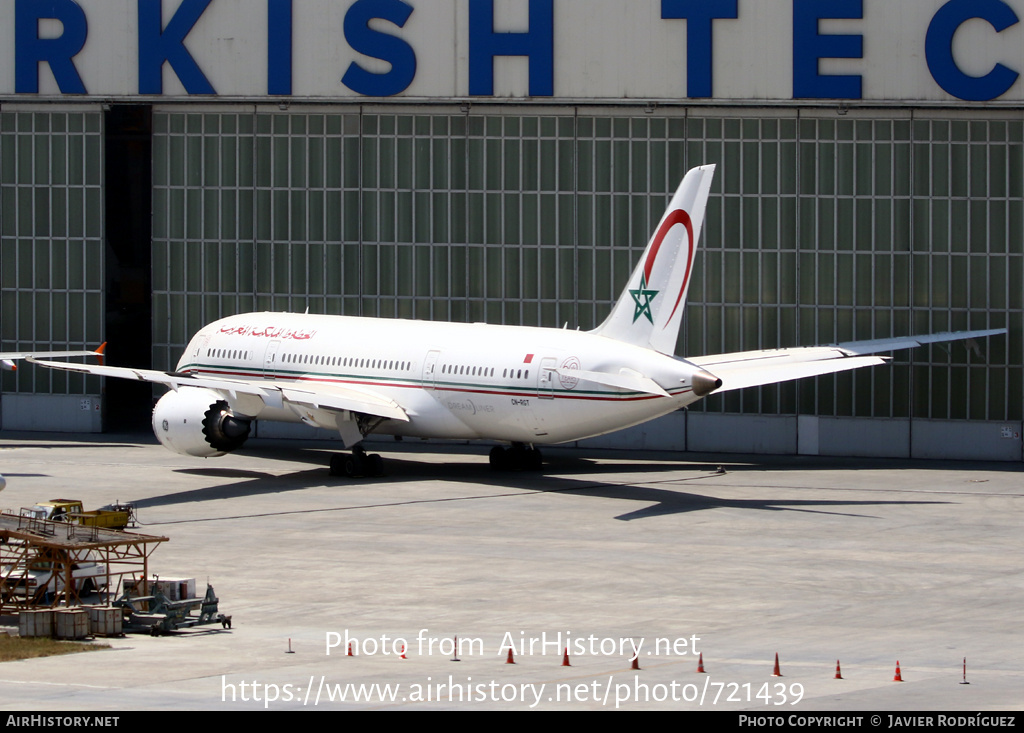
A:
{"points": [[164, 163]]}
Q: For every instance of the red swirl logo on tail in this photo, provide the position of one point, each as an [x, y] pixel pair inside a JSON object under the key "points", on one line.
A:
{"points": [[678, 216]]}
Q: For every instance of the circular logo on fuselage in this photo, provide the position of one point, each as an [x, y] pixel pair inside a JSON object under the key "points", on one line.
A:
{"points": [[569, 364]]}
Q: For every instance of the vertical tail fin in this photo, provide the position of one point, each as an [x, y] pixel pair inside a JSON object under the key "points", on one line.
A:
{"points": [[650, 309]]}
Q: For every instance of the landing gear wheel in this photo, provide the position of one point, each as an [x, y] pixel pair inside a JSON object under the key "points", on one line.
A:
{"points": [[338, 464], [517, 458], [499, 458], [357, 464], [354, 465]]}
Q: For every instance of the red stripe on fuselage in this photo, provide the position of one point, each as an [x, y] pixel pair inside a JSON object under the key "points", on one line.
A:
{"points": [[526, 391]]}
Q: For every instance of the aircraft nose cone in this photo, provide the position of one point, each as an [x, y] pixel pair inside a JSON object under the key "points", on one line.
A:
{"points": [[704, 383]]}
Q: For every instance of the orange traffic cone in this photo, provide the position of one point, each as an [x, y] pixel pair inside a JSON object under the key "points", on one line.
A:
{"points": [[839, 674], [565, 658], [897, 677], [402, 655], [349, 650], [510, 660], [700, 664], [776, 672]]}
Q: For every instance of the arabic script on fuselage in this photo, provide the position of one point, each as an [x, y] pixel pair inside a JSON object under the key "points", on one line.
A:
{"points": [[270, 332]]}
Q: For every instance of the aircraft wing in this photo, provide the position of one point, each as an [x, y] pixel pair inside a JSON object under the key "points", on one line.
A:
{"points": [[47, 354], [7, 358], [755, 368], [245, 395]]}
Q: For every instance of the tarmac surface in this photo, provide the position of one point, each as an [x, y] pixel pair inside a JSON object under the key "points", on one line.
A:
{"points": [[862, 561]]}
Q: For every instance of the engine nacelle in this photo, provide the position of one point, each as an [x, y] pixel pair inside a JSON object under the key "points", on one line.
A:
{"points": [[198, 422]]}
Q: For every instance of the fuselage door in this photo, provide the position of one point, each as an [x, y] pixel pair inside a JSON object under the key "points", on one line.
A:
{"points": [[200, 344], [430, 369], [270, 360], [197, 353], [546, 378]]}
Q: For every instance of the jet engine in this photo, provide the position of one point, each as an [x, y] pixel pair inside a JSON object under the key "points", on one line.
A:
{"points": [[198, 422]]}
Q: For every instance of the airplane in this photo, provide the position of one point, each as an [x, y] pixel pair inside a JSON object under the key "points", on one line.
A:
{"points": [[521, 386]]}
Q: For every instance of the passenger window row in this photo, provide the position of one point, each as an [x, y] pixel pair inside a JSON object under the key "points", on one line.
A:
{"points": [[352, 362], [229, 354], [390, 365], [460, 370]]}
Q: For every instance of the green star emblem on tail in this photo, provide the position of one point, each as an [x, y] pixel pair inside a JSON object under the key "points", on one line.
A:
{"points": [[642, 297]]}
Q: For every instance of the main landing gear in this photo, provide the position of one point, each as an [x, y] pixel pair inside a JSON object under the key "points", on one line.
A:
{"points": [[357, 465], [518, 457]]}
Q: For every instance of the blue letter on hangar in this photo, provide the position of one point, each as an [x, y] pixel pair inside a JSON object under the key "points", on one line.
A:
{"points": [[698, 15], [537, 44], [30, 49], [159, 44], [379, 45], [810, 46], [938, 48]]}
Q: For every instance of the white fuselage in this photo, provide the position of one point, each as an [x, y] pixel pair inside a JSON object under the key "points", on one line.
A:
{"points": [[454, 380]]}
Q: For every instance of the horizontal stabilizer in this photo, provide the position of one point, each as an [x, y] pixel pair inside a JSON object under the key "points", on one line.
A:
{"points": [[754, 368], [754, 376], [878, 345]]}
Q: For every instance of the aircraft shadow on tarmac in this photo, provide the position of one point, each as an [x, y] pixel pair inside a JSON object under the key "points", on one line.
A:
{"points": [[43, 439], [557, 477]]}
